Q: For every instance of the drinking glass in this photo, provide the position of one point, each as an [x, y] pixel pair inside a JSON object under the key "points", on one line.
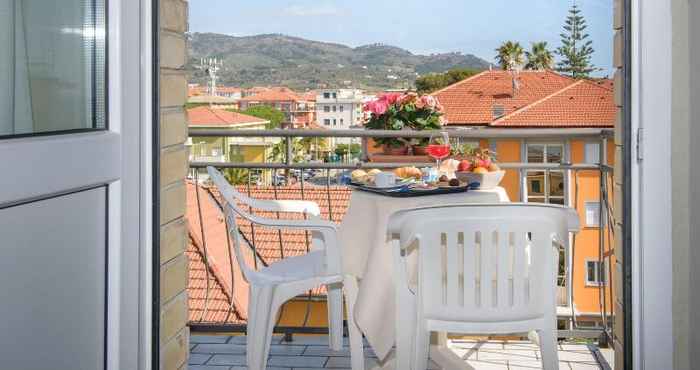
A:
{"points": [[439, 147]]}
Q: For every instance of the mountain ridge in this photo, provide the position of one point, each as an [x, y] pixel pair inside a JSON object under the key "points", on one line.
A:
{"points": [[302, 64]]}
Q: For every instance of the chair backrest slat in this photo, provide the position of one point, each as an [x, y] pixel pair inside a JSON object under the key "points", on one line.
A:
{"points": [[486, 262], [520, 268], [503, 269], [453, 268], [486, 265], [469, 261]]}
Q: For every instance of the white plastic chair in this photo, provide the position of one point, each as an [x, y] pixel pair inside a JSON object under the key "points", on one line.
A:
{"points": [[482, 269], [277, 283]]}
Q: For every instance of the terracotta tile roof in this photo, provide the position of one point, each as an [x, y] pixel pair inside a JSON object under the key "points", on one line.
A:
{"points": [[210, 305], [473, 100], [582, 104], [267, 242], [205, 116], [273, 95]]}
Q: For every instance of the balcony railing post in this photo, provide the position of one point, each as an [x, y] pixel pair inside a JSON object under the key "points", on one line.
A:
{"points": [[288, 157], [365, 150]]}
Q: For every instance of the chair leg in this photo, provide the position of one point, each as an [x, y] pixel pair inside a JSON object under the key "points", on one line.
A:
{"points": [[405, 327], [421, 348], [259, 331], [357, 355], [335, 316], [548, 349]]}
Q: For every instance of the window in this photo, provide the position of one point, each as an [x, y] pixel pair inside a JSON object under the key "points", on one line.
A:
{"points": [[595, 272], [335, 95], [326, 108], [545, 186], [327, 122], [592, 153], [236, 154], [52, 67], [335, 109], [342, 108], [326, 95], [334, 122], [592, 214], [341, 121]]}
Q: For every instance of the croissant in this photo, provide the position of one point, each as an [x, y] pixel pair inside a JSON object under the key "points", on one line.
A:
{"points": [[408, 172]]}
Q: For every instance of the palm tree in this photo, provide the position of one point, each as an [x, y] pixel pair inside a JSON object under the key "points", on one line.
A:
{"points": [[237, 176], [539, 58], [510, 55]]}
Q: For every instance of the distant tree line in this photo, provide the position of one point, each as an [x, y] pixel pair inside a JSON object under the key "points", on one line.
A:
{"points": [[435, 81]]}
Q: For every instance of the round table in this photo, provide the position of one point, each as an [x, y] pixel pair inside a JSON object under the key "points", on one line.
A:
{"points": [[367, 255]]}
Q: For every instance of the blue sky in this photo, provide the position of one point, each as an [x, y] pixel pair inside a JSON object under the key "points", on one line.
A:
{"points": [[423, 27]]}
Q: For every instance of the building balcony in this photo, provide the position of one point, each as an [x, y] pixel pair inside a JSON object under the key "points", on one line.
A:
{"points": [[216, 289]]}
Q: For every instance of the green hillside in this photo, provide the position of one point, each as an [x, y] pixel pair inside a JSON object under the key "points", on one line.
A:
{"points": [[304, 64]]}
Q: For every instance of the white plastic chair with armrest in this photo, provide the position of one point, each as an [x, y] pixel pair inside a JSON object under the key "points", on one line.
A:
{"points": [[482, 269], [279, 282]]}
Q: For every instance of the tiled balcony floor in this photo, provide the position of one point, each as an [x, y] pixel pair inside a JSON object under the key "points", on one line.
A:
{"points": [[209, 352]]}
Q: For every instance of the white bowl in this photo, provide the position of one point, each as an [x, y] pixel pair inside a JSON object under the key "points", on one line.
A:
{"points": [[486, 180]]}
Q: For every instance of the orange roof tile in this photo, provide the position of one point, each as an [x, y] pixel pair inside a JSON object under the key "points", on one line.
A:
{"points": [[205, 116], [582, 104], [281, 95], [209, 302], [472, 101]]}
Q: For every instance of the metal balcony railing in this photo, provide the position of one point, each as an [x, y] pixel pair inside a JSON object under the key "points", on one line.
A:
{"points": [[326, 174]]}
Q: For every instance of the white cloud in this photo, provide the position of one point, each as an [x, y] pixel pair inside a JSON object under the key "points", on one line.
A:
{"points": [[311, 10]]}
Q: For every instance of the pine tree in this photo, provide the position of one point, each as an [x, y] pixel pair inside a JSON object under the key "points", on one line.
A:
{"points": [[576, 49]]}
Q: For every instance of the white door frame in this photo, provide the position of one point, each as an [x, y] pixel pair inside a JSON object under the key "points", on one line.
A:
{"points": [[651, 66], [131, 198]]}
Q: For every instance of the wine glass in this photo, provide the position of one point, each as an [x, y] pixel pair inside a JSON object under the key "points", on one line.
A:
{"points": [[439, 147]]}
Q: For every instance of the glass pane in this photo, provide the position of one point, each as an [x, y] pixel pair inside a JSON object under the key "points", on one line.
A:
{"points": [[592, 153], [559, 201], [591, 271], [556, 184], [535, 153], [52, 66], [535, 183], [554, 153], [535, 200]]}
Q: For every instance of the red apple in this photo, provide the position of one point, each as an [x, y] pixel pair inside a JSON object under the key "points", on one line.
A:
{"points": [[464, 166]]}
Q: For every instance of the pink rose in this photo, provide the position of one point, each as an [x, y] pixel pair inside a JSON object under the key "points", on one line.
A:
{"points": [[390, 98], [377, 107], [408, 98], [428, 101]]}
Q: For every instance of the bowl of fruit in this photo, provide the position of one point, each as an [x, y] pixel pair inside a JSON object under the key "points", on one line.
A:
{"points": [[479, 165]]}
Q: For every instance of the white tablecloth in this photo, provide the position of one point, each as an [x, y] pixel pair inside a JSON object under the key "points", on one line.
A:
{"points": [[363, 239]]}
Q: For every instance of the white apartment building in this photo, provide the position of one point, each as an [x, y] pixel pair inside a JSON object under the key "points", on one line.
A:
{"points": [[339, 108]]}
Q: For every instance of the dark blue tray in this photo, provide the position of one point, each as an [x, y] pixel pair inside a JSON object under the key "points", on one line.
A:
{"points": [[408, 192]]}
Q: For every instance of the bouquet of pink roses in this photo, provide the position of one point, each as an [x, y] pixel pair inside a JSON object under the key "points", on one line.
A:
{"points": [[403, 111]]}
